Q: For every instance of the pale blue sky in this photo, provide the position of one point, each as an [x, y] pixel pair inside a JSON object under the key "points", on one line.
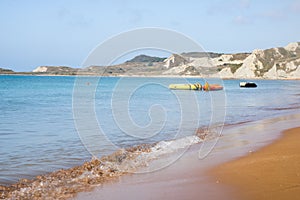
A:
{"points": [[63, 32]]}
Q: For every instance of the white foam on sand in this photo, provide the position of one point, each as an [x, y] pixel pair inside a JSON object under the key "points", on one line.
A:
{"points": [[186, 178]]}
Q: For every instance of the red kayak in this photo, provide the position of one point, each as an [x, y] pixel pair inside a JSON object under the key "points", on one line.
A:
{"points": [[211, 87]]}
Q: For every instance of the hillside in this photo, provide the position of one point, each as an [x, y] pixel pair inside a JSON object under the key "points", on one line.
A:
{"points": [[145, 58], [273, 63], [279, 62], [201, 54], [6, 71], [55, 70]]}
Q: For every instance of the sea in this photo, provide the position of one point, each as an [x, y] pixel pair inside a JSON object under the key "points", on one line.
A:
{"points": [[49, 123]]}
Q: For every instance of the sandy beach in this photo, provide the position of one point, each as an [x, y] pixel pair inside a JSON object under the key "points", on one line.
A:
{"points": [[194, 178], [272, 172], [260, 163]]}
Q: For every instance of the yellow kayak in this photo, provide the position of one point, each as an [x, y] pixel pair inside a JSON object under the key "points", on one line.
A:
{"points": [[196, 86]]}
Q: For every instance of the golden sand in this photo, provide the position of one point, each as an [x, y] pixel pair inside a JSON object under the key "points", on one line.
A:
{"points": [[272, 172]]}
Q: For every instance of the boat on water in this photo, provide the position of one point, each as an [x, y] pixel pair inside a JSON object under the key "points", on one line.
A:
{"points": [[248, 84], [212, 87], [196, 86]]}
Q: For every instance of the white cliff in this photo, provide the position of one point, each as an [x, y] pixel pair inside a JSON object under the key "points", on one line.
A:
{"points": [[274, 63], [40, 69]]}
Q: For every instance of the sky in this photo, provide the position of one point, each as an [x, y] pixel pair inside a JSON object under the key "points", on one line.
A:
{"points": [[63, 32]]}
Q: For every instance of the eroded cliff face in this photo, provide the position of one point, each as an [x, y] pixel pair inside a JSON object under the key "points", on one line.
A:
{"points": [[280, 62], [274, 63]]}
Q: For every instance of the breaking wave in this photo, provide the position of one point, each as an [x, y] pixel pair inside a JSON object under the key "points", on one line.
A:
{"points": [[65, 183]]}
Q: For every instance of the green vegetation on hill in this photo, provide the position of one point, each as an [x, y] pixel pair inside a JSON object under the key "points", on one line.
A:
{"points": [[239, 56], [6, 71], [190, 70], [275, 55], [233, 67], [145, 58], [201, 54], [260, 62]]}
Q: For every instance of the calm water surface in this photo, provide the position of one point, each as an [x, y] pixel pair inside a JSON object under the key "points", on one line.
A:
{"points": [[38, 133]]}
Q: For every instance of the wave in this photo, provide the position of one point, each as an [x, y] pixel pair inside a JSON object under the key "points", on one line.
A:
{"points": [[291, 107], [65, 183]]}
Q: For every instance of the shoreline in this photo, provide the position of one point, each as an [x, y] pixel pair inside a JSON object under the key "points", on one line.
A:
{"points": [[149, 76], [201, 133], [188, 178], [237, 143], [272, 172]]}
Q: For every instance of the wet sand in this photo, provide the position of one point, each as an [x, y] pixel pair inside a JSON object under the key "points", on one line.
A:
{"points": [[272, 172], [187, 178], [183, 178]]}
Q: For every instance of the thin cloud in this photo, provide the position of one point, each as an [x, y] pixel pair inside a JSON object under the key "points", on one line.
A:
{"points": [[274, 14], [227, 7], [241, 20], [72, 18], [244, 4], [295, 6], [219, 8], [134, 16]]}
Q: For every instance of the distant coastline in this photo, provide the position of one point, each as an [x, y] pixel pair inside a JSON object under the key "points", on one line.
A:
{"points": [[276, 63], [137, 76]]}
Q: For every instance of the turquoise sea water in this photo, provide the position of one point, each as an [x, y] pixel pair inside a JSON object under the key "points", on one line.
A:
{"points": [[38, 133]]}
